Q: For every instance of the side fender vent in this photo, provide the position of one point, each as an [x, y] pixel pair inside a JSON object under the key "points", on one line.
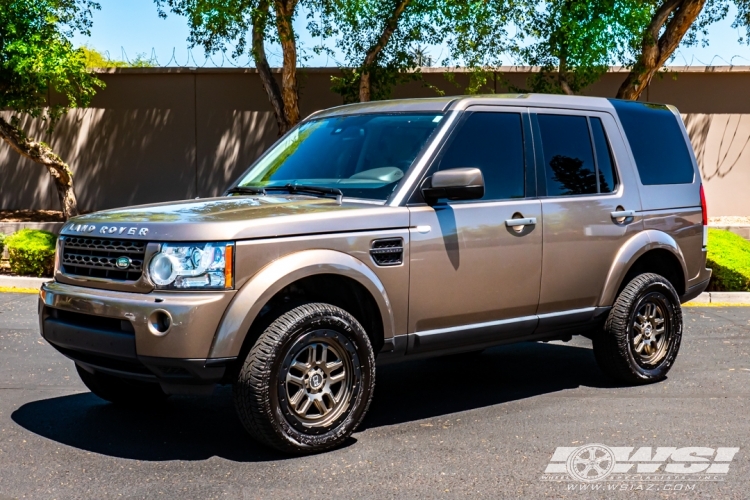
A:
{"points": [[388, 252]]}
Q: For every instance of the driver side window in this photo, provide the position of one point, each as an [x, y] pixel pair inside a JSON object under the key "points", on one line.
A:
{"points": [[493, 143]]}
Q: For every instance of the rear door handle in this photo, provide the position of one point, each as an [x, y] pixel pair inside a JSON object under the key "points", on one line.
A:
{"points": [[623, 214], [528, 221]]}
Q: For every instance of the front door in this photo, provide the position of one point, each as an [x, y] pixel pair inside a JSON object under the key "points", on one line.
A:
{"points": [[474, 272]]}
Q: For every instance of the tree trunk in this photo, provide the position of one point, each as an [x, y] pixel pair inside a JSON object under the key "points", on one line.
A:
{"points": [[678, 15], [289, 94], [264, 70], [43, 154], [372, 54], [562, 74]]}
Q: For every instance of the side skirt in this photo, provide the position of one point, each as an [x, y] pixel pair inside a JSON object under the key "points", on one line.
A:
{"points": [[543, 327]]}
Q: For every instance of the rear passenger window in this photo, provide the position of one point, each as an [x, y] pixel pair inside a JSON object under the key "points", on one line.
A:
{"points": [[659, 147], [604, 163], [493, 143], [568, 157]]}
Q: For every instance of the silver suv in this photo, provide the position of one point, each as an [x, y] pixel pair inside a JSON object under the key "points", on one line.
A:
{"points": [[390, 231]]}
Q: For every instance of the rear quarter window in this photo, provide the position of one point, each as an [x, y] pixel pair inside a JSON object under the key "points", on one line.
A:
{"points": [[656, 140]]}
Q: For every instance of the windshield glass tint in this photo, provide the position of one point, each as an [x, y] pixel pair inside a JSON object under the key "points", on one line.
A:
{"points": [[364, 155]]}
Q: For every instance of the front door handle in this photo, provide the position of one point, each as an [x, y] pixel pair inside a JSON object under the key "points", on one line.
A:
{"points": [[623, 214], [528, 221]]}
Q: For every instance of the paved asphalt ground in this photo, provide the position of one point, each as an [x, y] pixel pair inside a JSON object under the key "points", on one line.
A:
{"points": [[442, 428]]}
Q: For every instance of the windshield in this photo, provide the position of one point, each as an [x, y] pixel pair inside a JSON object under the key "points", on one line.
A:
{"points": [[363, 155]]}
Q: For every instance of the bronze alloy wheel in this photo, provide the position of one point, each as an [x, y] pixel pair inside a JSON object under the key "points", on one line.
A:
{"points": [[651, 331], [317, 379]]}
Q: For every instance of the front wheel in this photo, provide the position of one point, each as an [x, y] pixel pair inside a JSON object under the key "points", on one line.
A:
{"points": [[308, 380], [643, 332]]}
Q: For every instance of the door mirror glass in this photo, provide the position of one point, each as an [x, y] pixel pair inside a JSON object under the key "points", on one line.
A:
{"points": [[454, 184]]}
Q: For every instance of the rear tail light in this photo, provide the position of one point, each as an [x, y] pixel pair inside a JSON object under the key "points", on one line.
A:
{"points": [[704, 216]]}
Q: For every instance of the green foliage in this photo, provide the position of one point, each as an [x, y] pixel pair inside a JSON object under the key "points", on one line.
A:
{"points": [[32, 252], [214, 24], [36, 55], [382, 81], [2, 242], [581, 39], [471, 30], [95, 59], [729, 258], [572, 42], [358, 25]]}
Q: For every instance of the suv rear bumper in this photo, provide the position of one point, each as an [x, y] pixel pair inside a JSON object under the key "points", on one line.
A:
{"points": [[696, 290]]}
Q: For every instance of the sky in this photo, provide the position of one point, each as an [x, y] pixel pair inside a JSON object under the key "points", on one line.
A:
{"points": [[123, 29]]}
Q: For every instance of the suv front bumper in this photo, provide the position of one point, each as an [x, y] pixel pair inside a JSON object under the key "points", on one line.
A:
{"points": [[109, 331]]}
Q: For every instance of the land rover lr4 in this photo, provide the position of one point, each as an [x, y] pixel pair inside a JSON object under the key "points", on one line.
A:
{"points": [[391, 231]]}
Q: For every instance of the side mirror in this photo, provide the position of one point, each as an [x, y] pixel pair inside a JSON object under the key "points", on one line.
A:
{"points": [[454, 184]]}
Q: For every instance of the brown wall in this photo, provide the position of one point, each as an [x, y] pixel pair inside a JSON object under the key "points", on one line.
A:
{"points": [[165, 134]]}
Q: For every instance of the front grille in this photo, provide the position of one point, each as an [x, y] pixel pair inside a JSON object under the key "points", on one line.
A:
{"points": [[96, 257], [90, 321]]}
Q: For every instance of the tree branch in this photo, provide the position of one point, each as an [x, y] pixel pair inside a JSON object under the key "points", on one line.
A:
{"points": [[678, 15], [42, 154], [264, 70], [562, 75], [372, 54], [284, 14]]}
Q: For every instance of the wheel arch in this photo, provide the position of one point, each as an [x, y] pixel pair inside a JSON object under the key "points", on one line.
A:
{"points": [[300, 268], [648, 251]]}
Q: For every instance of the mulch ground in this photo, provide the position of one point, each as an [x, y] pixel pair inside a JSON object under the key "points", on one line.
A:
{"points": [[31, 216]]}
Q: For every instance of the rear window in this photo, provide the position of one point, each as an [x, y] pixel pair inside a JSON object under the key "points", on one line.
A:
{"points": [[660, 150]]}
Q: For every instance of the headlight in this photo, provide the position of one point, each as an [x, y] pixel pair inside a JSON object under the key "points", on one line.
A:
{"points": [[193, 265]]}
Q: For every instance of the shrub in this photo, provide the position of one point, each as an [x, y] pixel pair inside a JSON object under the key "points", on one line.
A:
{"points": [[729, 257], [31, 252], [2, 243]]}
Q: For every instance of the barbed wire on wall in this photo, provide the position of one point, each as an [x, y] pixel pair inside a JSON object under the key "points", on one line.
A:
{"points": [[152, 60], [143, 59], [694, 61], [212, 60]]}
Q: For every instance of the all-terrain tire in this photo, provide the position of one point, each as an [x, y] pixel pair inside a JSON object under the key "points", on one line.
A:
{"points": [[615, 347], [269, 405], [124, 392]]}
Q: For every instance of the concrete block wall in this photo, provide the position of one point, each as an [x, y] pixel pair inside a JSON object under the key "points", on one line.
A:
{"points": [[160, 134]]}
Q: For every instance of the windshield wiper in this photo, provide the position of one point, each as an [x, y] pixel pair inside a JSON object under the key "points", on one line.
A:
{"points": [[246, 190], [290, 188], [314, 190]]}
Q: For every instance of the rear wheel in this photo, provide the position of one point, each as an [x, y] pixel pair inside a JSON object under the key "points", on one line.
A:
{"points": [[308, 380], [121, 391], [643, 332]]}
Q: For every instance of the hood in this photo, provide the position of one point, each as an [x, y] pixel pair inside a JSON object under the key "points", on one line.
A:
{"points": [[237, 218]]}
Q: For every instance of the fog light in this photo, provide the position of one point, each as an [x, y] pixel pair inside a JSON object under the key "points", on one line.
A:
{"points": [[159, 322]]}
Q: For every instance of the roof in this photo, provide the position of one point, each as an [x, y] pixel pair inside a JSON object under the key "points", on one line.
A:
{"points": [[442, 104]]}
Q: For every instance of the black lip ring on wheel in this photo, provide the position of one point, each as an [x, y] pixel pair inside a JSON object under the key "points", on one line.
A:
{"points": [[301, 343]]}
